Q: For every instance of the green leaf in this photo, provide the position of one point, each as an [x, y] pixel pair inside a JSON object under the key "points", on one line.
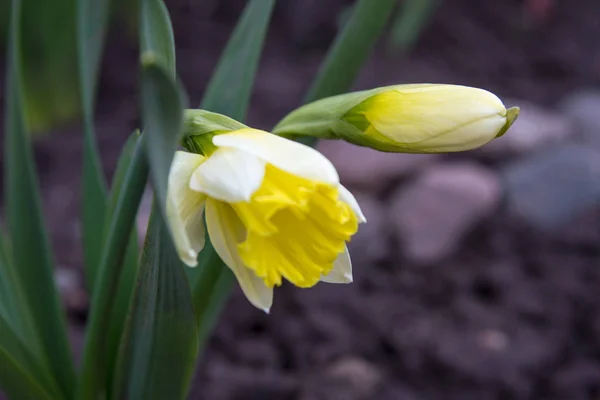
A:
{"points": [[17, 383], [229, 89], [12, 304], [93, 380], [33, 266], [228, 93], [92, 18], [156, 35], [129, 268], [162, 114], [159, 350], [15, 317], [21, 361], [49, 63], [412, 17], [163, 100], [351, 48]]}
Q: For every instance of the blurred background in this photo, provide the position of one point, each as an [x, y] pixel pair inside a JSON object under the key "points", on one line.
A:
{"points": [[477, 275]]}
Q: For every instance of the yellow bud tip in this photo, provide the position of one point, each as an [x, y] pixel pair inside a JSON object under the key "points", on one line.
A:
{"points": [[511, 116]]}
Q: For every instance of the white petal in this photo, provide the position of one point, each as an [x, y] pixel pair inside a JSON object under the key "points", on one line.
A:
{"points": [[226, 231], [285, 154], [342, 269], [347, 197], [185, 207], [229, 175]]}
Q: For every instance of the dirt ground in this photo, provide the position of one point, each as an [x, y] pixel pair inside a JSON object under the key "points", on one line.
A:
{"points": [[514, 315]]}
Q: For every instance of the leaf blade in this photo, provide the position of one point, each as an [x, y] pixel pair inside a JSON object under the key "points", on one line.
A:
{"points": [[229, 89], [16, 383], [92, 16], [30, 249], [350, 49], [156, 33], [93, 378], [13, 345], [158, 355], [127, 275], [162, 114], [412, 18]]}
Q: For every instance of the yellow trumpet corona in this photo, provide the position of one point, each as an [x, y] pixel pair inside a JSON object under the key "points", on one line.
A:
{"points": [[418, 118], [274, 209]]}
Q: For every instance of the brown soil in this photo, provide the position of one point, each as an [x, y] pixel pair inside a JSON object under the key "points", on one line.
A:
{"points": [[513, 316]]}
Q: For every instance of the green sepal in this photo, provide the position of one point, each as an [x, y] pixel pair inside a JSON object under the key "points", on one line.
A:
{"points": [[511, 116], [200, 126], [336, 117]]}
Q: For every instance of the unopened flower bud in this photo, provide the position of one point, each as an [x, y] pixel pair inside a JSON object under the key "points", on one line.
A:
{"points": [[418, 118]]}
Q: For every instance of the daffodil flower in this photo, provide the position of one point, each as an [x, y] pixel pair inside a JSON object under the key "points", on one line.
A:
{"points": [[417, 118], [274, 209]]}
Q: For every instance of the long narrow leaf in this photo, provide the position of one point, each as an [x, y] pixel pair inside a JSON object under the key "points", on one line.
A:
{"points": [[229, 89], [30, 249], [128, 271], [16, 322], [351, 48], [163, 100], [12, 302], [409, 23], [162, 114], [93, 380], [156, 34], [159, 351], [13, 346], [228, 93], [17, 383], [92, 17]]}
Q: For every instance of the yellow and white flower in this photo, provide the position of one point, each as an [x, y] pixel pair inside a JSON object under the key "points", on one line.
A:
{"points": [[274, 209], [418, 118]]}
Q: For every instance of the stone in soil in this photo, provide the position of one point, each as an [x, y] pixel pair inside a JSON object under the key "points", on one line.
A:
{"points": [[349, 378], [371, 243], [549, 188], [535, 128], [70, 287], [431, 215], [370, 169], [583, 108]]}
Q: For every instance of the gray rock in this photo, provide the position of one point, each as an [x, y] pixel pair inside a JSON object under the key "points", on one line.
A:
{"points": [[432, 214], [535, 128], [371, 242], [349, 378], [550, 188], [583, 108], [362, 375], [367, 168], [70, 287]]}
